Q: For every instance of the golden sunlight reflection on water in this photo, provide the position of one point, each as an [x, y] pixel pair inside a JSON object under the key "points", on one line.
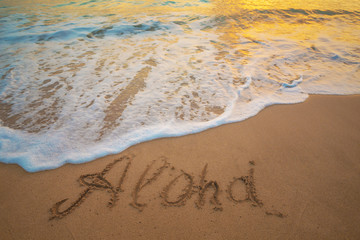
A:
{"points": [[129, 7]]}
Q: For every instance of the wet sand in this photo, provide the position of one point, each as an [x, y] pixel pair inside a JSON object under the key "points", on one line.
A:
{"points": [[291, 172]]}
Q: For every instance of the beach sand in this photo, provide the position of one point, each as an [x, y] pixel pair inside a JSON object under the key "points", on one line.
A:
{"points": [[290, 172]]}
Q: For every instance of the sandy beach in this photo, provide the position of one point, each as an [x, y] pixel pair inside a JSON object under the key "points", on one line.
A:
{"points": [[290, 172]]}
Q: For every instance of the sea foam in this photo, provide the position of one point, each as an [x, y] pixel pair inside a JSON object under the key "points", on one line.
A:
{"points": [[75, 86]]}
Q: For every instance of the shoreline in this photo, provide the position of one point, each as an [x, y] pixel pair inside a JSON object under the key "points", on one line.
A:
{"points": [[303, 184]]}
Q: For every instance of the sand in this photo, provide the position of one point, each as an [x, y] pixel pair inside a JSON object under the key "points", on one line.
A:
{"points": [[291, 172]]}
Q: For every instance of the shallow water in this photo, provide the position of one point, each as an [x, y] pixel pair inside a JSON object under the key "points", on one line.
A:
{"points": [[83, 79]]}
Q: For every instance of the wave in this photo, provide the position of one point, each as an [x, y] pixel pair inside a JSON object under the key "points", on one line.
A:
{"points": [[74, 88]]}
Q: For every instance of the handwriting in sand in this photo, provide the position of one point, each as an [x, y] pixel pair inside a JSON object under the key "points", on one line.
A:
{"points": [[97, 181]]}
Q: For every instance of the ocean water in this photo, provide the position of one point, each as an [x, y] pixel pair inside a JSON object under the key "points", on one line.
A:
{"points": [[83, 79]]}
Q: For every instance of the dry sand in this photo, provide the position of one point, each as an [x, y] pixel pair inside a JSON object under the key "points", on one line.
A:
{"points": [[291, 172]]}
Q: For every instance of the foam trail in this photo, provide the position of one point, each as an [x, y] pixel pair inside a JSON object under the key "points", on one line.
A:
{"points": [[81, 80]]}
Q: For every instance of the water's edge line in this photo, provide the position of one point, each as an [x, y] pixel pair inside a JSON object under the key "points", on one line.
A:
{"points": [[164, 135]]}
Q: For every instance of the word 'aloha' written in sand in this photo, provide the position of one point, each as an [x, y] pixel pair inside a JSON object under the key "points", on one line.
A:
{"points": [[97, 181]]}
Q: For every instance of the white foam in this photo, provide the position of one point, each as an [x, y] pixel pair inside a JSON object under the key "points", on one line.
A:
{"points": [[198, 73]]}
